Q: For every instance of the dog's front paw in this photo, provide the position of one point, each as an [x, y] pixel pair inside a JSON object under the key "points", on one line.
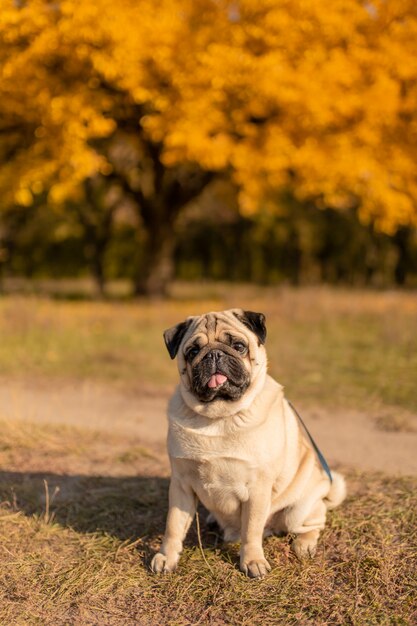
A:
{"points": [[162, 564], [257, 568]]}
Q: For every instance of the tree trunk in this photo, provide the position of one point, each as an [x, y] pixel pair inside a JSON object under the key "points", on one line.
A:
{"points": [[158, 214], [96, 262], [157, 267], [158, 202], [402, 240]]}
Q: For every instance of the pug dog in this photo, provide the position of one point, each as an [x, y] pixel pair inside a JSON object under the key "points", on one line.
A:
{"points": [[236, 445]]}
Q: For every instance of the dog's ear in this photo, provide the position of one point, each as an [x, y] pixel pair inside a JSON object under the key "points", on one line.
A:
{"points": [[174, 335], [255, 322]]}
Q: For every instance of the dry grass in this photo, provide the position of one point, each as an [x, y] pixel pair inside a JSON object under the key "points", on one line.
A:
{"points": [[83, 558], [339, 347], [81, 512]]}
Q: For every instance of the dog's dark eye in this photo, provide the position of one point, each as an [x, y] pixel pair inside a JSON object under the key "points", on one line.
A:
{"points": [[192, 352], [239, 346]]}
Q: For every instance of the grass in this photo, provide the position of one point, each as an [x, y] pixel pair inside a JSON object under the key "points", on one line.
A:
{"points": [[82, 556], [327, 346], [82, 511]]}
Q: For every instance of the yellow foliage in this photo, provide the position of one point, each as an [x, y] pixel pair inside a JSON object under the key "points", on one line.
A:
{"points": [[319, 96]]}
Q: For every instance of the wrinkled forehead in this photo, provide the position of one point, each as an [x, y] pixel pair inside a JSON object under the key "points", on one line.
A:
{"points": [[214, 326]]}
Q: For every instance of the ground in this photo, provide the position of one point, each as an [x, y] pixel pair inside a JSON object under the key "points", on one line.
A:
{"points": [[84, 472]]}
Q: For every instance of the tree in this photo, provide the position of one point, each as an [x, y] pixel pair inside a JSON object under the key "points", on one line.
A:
{"points": [[319, 98], [70, 116]]}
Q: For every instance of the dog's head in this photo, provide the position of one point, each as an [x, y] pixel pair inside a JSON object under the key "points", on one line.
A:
{"points": [[220, 358]]}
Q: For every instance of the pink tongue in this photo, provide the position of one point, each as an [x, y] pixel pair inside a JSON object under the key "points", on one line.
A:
{"points": [[216, 380]]}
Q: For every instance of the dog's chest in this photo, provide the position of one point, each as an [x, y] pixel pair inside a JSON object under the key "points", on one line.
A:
{"points": [[219, 468], [224, 485], [221, 484]]}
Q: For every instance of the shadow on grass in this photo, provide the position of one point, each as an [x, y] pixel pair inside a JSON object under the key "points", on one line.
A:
{"points": [[126, 507]]}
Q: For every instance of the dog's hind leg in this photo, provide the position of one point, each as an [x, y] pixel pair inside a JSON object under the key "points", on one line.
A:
{"points": [[307, 534]]}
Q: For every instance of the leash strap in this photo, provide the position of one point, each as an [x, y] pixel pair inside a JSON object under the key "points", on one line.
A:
{"points": [[313, 443]]}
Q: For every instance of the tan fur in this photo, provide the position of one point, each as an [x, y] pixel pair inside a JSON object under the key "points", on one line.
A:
{"points": [[248, 461]]}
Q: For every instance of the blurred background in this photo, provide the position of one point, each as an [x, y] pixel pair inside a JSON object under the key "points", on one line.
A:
{"points": [[264, 142], [165, 157]]}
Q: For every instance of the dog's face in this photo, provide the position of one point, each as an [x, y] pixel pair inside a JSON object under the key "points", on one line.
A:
{"points": [[218, 354]]}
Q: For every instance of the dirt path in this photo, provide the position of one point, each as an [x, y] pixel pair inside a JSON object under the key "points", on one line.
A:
{"points": [[350, 438]]}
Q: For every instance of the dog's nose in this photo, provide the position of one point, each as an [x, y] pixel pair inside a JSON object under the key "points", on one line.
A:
{"points": [[214, 355]]}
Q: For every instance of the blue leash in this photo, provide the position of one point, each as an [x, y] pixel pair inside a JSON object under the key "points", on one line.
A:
{"points": [[313, 443]]}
